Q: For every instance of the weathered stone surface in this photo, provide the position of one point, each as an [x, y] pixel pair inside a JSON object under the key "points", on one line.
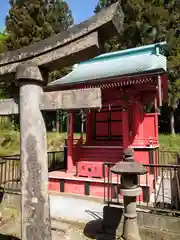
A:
{"points": [[58, 235], [129, 170], [80, 50], [74, 42], [129, 166], [77, 44], [35, 210], [9, 106], [71, 99], [28, 71]]}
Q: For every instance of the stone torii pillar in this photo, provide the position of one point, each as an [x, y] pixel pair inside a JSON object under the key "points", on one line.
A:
{"points": [[34, 166], [77, 44]]}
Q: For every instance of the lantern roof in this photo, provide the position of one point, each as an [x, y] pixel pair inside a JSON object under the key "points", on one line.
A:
{"points": [[132, 61], [129, 165]]}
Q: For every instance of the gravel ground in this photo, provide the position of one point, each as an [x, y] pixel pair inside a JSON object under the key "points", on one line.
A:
{"points": [[62, 207], [62, 231]]}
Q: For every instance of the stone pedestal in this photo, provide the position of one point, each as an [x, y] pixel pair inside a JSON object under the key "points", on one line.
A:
{"points": [[130, 228], [129, 171]]}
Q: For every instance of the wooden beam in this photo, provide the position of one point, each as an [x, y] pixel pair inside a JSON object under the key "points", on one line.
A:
{"points": [[66, 100]]}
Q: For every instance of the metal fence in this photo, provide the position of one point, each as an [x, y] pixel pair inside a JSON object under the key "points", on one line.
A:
{"points": [[10, 169], [57, 160], [160, 188], [168, 157]]}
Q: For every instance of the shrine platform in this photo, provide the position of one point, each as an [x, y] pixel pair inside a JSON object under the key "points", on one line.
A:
{"points": [[70, 183]]}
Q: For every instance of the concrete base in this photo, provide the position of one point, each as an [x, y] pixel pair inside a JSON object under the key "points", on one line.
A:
{"points": [[75, 212]]}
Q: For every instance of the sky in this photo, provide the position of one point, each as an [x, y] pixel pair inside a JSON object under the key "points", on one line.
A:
{"points": [[81, 9]]}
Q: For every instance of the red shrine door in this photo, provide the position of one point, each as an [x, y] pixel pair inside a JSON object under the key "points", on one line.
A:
{"points": [[108, 125]]}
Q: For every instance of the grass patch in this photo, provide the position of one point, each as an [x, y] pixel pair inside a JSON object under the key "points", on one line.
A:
{"points": [[10, 142], [169, 142]]}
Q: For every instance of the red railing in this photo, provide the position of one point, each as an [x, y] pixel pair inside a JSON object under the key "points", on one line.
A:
{"points": [[145, 142]]}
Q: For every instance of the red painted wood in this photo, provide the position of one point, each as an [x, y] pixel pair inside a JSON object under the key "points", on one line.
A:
{"points": [[102, 130], [136, 128], [100, 154], [108, 124], [70, 162], [97, 190], [90, 169], [125, 129], [77, 150], [164, 87], [54, 185], [149, 126], [150, 77], [74, 187], [88, 127], [141, 156], [144, 127], [91, 160], [156, 116]]}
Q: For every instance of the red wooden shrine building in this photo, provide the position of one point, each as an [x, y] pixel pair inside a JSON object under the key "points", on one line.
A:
{"points": [[130, 80]]}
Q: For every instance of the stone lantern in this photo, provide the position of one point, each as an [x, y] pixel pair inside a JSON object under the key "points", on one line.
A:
{"points": [[129, 170]]}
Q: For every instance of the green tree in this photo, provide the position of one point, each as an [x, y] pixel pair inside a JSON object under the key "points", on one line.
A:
{"points": [[174, 85], [3, 86], [150, 21], [30, 21], [34, 20], [3, 38]]}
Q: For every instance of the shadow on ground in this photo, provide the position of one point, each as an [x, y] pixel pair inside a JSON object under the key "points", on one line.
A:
{"points": [[105, 227], [1, 194], [8, 237]]}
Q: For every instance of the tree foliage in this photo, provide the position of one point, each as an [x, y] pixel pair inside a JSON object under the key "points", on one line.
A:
{"points": [[3, 86], [34, 20], [151, 21], [30, 21], [3, 38]]}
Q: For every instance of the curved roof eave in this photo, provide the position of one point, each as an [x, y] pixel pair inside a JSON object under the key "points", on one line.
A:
{"points": [[120, 63]]}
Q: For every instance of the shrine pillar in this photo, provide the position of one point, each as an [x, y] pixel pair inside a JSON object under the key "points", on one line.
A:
{"points": [[137, 126], [156, 117], [141, 119], [35, 212], [71, 122], [125, 127], [88, 127]]}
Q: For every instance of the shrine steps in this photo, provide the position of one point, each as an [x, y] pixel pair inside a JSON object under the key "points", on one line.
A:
{"points": [[71, 184], [101, 153]]}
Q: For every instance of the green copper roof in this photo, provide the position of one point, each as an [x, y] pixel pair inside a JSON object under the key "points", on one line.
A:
{"points": [[109, 65]]}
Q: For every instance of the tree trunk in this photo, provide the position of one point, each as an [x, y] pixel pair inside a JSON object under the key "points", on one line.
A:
{"points": [[172, 121]]}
